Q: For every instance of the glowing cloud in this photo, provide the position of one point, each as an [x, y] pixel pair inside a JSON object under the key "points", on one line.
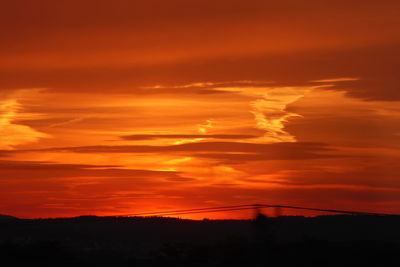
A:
{"points": [[203, 127], [12, 134], [270, 110]]}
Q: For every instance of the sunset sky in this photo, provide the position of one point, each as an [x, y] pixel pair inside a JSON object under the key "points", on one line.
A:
{"points": [[126, 106]]}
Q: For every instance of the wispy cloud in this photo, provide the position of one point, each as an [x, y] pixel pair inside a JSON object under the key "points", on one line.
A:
{"points": [[180, 136], [270, 109], [11, 133]]}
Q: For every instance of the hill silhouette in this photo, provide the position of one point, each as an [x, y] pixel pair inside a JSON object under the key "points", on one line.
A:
{"points": [[4, 217], [344, 240]]}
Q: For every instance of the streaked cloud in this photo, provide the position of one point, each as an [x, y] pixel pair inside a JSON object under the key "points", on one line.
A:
{"points": [[11, 133], [270, 110], [187, 103], [184, 136]]}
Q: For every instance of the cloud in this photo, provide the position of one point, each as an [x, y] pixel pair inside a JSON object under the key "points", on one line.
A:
{"points": [[176, 44], [163, 68], [183, 136], [224, 151], [382, 177], [232, 158], [335, 118], [11, 133], [47, 189], [374, 66], [269, 109], [41, 165], [33, 170]]}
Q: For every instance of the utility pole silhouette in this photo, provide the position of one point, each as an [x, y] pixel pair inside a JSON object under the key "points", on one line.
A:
{"points": [[263, 235]]}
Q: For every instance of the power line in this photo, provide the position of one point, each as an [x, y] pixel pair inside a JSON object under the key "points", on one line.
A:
{"points": [[328, 210], [246, 207], [207, 211], [187, 210]]}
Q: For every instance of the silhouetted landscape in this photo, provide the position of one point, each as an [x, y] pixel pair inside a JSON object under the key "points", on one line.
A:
{"points": [[340, 240]]}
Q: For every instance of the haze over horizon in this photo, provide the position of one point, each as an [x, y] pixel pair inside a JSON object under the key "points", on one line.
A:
{"points": [[121, 107]]}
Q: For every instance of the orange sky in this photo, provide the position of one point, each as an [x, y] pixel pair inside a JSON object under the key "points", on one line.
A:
{"points": [[118, 107]]}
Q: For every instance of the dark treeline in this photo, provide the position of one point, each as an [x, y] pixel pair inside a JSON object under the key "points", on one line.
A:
{"points": [[121, 241]]}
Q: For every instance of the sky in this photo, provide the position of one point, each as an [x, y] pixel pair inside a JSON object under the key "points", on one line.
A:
{"points": [[120, 107]]}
